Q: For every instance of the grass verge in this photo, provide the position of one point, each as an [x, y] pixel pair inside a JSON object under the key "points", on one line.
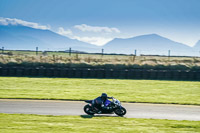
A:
{"points": [[18, 123], [148, 91]]}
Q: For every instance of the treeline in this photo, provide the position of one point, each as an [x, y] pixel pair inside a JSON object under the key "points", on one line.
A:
{"points": [[108, 71]]}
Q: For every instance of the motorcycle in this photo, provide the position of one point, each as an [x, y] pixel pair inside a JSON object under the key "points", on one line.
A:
{"points": [[114, 105]]}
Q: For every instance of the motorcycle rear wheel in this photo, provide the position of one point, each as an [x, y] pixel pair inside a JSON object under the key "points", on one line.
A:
{"points": [[88, 110], [120, 111]]}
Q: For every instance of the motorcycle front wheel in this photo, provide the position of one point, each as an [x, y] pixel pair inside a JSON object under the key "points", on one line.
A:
{"points": [[88, 110], [120, 111]]}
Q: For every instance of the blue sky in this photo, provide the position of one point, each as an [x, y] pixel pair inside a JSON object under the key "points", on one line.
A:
{"points": [[99, 21]]}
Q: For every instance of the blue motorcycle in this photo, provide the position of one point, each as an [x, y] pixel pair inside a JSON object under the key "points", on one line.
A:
{"points": [[114, 107]]}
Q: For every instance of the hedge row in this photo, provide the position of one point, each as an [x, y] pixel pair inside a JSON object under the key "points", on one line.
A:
{"points": [[100, 73]]}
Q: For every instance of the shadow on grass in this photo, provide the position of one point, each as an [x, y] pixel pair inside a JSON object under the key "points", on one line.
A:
{"points": [[91, 116], [87, 116]]}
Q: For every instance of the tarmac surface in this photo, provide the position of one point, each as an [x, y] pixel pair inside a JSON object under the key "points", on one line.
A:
{"points": [[134, 110]]}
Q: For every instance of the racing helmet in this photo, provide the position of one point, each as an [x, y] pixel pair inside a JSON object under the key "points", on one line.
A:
{"points": [[104, 96]]}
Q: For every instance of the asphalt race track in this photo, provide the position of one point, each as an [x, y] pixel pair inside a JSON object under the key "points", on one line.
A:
{"points": [[134, 110]]}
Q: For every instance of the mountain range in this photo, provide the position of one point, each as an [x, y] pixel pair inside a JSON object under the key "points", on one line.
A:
{"points": [[148, 44], [18, 37], [197, 46], [27, 38]]}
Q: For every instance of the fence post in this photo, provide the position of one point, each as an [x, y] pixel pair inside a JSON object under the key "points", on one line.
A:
{"points": [[70, 50], [2, 50], [102, 51], [36, 50], [169, 51]]}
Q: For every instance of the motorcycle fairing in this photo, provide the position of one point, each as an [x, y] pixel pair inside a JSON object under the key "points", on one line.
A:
{"points": [[107, 102]]}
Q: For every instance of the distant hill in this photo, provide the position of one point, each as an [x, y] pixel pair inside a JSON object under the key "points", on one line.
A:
{"points": [[197, 46], [147, 44], [26, 38], [18, 37]]}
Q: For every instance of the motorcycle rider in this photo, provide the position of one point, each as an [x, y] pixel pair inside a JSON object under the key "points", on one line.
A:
{"points": [[98, 103]]}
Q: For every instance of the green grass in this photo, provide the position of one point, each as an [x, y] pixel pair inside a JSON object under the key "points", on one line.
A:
{"points": [[23, 123], [150, 91]]}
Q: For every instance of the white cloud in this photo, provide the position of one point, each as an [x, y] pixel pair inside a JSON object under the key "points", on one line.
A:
{"points": [[96, 37], [93, 38], [99, 41], [84, 27], [64, 32], [14, 21]]}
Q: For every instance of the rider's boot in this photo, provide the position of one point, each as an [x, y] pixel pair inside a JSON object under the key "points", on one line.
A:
{"points": [[99, 112]]}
